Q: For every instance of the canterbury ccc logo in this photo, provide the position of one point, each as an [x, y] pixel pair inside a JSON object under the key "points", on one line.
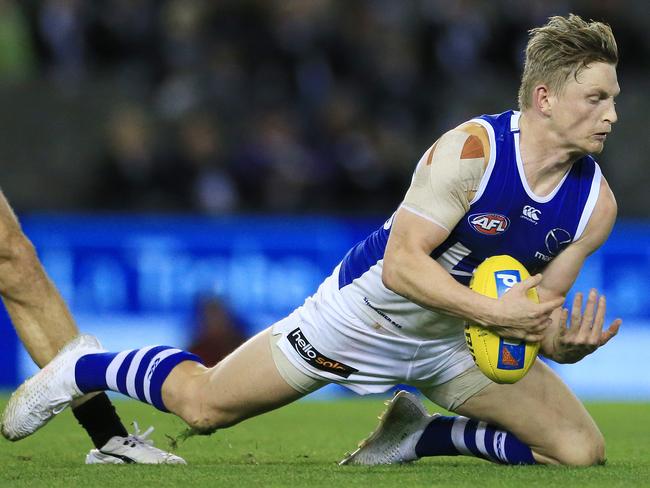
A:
{"points": [[531, 212], [489, 224]]}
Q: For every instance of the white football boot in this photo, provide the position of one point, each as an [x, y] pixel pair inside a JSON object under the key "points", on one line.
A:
{"points": [[48, 392], [394, 439], [136, 448]]}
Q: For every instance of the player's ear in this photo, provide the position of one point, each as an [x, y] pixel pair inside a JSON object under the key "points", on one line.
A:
{"points": [[542, 99]]}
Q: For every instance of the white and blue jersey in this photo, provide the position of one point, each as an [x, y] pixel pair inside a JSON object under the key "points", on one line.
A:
{"points": [[354, 318], [505, 217]]}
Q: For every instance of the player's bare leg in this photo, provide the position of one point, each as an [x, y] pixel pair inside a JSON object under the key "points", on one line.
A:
{"points": [[39, 314], [544, 414], [44, 324], [244, 384]]}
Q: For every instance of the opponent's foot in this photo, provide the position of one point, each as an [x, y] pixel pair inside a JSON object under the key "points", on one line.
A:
{"points": [[48, 392], [136, 448], [394, 439]]}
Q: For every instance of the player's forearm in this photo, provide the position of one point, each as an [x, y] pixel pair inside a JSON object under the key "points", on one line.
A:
{"points": [[422, 280], [548, 345]]}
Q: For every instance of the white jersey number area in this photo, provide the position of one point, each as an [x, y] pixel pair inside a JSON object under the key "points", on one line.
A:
{"points": [[452, 256]]}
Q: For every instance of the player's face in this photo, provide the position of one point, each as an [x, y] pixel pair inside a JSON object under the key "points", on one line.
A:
{"points": [[584, 112]]}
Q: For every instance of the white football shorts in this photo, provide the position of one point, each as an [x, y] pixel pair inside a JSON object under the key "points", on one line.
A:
{"points": [[370, 359]]}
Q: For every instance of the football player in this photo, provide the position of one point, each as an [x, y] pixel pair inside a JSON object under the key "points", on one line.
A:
{"points": [[44, 325], [520, 183]]}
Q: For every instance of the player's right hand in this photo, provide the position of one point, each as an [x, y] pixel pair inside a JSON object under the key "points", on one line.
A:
{"points": [[518, 317]]}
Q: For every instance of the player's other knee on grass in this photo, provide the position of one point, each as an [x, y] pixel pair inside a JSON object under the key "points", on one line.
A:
{"points": [[208, 415], [210, 418], [580, 448]]}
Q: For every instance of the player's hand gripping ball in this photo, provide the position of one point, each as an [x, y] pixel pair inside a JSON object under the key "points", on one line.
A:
{"points": [[501, 360]]}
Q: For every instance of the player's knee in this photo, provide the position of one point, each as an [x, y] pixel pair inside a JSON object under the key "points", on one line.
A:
{"points": [[583, 450], [13, 243], [205, 419], [18, 259], [206, 416], [200, 423], [592, 452]]}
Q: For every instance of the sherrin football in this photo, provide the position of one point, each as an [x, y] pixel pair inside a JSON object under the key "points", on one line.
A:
{"points": [[501, 360]]}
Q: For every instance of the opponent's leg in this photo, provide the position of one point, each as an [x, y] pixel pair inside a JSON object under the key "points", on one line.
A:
{"points": [[44, 323], [39, 314]]}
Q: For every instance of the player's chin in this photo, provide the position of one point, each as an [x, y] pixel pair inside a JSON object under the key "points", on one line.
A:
{"points": [[595, 146]]}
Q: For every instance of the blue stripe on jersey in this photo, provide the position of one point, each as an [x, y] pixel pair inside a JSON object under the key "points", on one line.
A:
{"points": [[363, 256], [438, 251]]}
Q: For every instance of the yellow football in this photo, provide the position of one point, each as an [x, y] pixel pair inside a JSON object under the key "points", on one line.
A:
{"points": [[501, 360]]}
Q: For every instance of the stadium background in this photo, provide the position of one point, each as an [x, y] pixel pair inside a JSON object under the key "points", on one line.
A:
{"points": [[161, 152]]}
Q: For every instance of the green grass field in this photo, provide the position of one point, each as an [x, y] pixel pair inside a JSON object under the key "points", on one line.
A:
{"points": [[299, 446]]}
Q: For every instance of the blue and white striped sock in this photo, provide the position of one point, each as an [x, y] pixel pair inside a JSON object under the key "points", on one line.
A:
{"points": [[453, 436], [138, 373]]}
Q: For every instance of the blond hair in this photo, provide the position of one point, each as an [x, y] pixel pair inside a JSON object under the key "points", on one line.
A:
{"points": [[561, 48]]}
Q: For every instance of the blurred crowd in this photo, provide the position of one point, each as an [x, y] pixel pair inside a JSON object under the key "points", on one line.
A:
{"points": [[289, 105]]}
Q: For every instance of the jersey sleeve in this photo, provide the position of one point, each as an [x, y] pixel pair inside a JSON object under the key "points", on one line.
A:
{"points": [[445, 178]]}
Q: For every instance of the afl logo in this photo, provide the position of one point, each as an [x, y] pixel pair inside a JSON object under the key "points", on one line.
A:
{"points": [[489, 224], [556, 240]]}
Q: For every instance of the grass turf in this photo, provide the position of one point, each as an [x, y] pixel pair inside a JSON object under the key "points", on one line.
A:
{"points": [[299, 446]]}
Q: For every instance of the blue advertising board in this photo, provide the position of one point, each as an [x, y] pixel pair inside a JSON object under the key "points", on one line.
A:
{"points": [[136, 280]]}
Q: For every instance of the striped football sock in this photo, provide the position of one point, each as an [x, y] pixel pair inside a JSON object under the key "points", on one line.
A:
{"points": [[138, 373], [453, 436]]}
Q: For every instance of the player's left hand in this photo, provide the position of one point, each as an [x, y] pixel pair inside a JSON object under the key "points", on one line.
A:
{"points": [[585, 334]]}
